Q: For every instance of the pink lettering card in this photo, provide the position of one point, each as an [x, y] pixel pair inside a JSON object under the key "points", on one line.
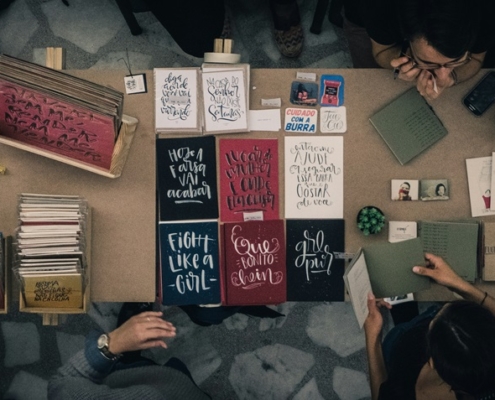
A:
{"points": [[314, 177], [254, 263], [249, 179]]}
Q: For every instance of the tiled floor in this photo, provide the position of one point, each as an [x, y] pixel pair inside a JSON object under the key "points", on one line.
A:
{"points": [[315, 352]]}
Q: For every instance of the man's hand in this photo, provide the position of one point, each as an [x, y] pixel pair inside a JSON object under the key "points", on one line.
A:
{"points": [[438, 270], [374, 322], [431, 85], [140, 332], [407, 72]]}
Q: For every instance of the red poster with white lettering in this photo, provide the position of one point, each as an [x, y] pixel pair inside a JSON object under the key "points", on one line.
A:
{"points": [[254, 263], [249, 179]]}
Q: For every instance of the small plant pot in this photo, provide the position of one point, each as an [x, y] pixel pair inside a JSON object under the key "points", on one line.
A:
{"points": [[370, 220]]}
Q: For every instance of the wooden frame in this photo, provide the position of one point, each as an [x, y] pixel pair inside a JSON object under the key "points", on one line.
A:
{"points": [[119, 157], [7, 265]]}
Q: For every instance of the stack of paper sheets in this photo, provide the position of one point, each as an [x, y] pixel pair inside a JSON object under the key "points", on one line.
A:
{"points": [[51, 249]]}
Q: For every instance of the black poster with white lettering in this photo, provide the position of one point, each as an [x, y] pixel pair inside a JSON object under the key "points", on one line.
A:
{"points": [[189, 263], [314, 272], [187, 178]]}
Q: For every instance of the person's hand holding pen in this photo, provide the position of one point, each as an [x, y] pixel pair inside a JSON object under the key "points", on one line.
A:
{"points": [[404, 67], [430, 82]]}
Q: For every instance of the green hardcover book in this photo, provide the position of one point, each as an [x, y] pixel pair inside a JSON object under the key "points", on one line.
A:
{"points": [[385, 269], [408, 125], [456, 242]]}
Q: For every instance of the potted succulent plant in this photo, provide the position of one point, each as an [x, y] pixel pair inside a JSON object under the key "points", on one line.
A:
{"points": [[370, 220]]}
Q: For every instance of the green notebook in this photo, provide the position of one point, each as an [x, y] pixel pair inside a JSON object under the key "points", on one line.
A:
{"points": [[385, 269], [408, 125], [456, 242], [390, 268]]}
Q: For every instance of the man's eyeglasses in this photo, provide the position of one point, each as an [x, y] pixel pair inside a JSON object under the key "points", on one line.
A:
{"points": [[430, 66]]}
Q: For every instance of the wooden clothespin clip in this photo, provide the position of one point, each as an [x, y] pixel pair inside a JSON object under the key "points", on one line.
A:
{"points": [[55, 58], [222, 52]]}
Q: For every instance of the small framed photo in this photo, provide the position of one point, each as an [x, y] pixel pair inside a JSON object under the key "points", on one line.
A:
{"points": [[135, 84], [434, 189], [405, 189]]}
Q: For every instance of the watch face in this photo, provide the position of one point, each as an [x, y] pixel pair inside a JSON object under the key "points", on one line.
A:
{"points": [[102, 341]]}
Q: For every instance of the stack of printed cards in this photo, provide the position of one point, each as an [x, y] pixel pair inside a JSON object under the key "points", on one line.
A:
{"points": [[51, 249]]}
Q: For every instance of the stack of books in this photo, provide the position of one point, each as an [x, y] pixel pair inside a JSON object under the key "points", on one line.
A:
{"points": [[51, 250]]}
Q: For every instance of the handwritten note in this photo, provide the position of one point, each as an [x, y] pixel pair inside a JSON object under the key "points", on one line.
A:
{"points": [[314, 177], [53, 291], [248, 178], [333, 120], [176, 99], [224, 98], [189, 259]]}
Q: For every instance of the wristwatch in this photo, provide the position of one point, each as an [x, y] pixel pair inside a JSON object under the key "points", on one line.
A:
{"points": [[103, 343]]}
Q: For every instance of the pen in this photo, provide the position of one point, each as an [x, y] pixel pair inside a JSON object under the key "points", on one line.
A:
{"points": [[435, 88], [403, 49]]}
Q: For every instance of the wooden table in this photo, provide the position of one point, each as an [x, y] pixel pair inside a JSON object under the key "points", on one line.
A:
{"points": [[123, 244]]}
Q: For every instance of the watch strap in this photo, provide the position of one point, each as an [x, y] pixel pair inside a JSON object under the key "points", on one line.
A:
{"points": [[104, 348]]}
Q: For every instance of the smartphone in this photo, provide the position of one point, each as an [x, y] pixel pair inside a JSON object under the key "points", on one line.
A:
{"points": [[482, 95]]}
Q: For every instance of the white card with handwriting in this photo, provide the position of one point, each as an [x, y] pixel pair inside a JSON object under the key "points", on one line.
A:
{"points": [[176, 99], [224, 98], [333, 120], [314, 177]]}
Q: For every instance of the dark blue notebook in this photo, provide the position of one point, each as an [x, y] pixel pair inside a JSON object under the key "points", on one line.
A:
{"points": [[314, 273], [187, 178], [189, 263]]}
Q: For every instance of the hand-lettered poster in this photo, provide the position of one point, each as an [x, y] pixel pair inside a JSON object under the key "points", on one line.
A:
{"points": [[176, 100], [189, 263], [314, 177], [248, 179], [187, 178], [254, 262], [314, 269], [224, 99]]}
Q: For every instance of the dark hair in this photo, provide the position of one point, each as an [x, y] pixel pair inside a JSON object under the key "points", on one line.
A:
{"points": [[407, 183], [449, 26], [438, 187], [461, 343]]}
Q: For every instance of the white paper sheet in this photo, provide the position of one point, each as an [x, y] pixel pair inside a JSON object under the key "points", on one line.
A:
{"points": [[314, 177]]}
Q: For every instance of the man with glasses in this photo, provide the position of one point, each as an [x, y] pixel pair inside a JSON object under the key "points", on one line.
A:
{"points": [[437, 43]]}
